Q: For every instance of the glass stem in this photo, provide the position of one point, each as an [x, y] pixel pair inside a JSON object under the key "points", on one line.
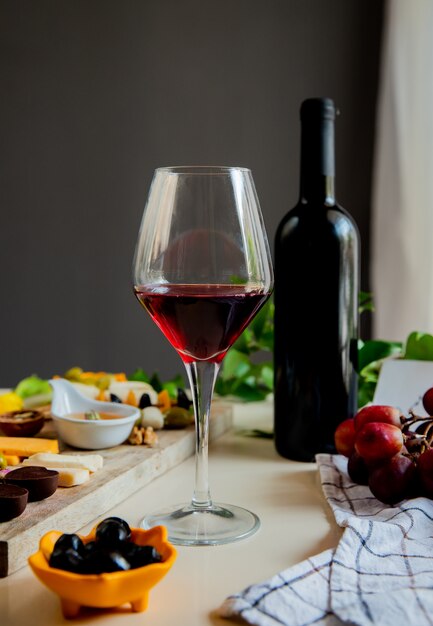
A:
{"points": [[201, 376]]}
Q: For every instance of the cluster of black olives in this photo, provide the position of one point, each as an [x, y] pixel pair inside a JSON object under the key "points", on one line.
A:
{"points": [[183, 401], [112, 550]]}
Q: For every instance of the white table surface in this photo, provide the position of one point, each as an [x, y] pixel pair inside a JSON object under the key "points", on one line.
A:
{"points": [[295, 523]]}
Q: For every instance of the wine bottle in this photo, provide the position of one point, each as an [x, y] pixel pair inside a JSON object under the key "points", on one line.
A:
{"points": [[316, 301]]}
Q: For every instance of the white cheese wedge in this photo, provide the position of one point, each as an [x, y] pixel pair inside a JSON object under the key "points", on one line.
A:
{"points": [[122, 389], [90, 462], [71, 476]]}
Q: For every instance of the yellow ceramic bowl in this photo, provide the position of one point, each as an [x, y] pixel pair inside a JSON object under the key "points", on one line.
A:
{"points": [[104, 590]]}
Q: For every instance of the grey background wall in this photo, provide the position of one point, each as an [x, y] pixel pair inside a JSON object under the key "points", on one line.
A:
{"points": [[97, 93]]}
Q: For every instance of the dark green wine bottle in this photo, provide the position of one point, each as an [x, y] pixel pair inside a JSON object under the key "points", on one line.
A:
{"points": [[316, 301]]}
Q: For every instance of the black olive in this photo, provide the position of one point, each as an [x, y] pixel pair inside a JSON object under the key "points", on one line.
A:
{"points": [[144, 555], [89, 549], [112, 550], [101, 561], [182, 399], [139, 555], [68, 560], [127, 549], [112, 531], [67, 541], [115, 398], [144, 401]]}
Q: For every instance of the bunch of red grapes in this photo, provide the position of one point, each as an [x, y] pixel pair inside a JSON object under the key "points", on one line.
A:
{"points": [[389, 452]]}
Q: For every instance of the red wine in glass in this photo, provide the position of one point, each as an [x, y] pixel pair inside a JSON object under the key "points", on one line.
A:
{"points": [[202, 270], [201, 321]]}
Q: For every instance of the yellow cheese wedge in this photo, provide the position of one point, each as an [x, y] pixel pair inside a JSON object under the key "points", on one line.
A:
{"points": [[25, 446]]}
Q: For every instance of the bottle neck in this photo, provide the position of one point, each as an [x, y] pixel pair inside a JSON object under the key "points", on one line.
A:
{"points": [[317, 162]]}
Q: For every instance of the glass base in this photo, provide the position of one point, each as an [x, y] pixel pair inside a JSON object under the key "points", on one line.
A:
{"points": [[189, 525]]}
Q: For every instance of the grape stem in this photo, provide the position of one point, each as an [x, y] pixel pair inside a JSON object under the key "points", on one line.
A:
{"points": [[416, 442], [407, 421]]}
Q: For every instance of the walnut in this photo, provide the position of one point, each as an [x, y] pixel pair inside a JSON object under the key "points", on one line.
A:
{"points": [[136, 436], [150, 438], [140, 435]]}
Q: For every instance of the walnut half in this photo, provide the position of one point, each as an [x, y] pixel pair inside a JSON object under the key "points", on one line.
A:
{"points": [[140, 435]]}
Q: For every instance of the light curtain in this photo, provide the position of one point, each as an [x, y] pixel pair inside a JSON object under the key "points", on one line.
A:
{"points": [[402, 218]]}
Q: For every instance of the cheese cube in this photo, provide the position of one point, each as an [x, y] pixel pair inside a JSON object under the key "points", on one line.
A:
{"points": [[91, 462], [70, 477]]}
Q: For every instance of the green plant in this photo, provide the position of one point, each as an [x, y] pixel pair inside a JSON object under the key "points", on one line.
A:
{"points": [[371, 354], [248, 373], [247, 370]]}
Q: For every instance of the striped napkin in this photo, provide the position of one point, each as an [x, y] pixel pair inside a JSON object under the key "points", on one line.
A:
{"points": [[380, 574]]}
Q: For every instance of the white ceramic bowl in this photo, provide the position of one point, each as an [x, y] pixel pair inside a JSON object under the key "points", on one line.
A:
{"points": [[89, 434]]}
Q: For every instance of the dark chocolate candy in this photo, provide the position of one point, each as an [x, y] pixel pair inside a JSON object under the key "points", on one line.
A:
{"points": [[39, 481], [13, 501]]}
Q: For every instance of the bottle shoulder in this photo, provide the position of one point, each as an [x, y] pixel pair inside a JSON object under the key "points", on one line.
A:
{"points": [[317, 218]]}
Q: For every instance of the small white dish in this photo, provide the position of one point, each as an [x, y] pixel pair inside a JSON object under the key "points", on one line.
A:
{"points": [[89, 434]]}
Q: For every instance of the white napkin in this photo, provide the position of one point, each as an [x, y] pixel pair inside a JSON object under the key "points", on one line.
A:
{"points": [[380, 574]]}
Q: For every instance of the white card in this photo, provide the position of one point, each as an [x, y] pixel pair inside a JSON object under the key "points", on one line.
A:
{"points": [[403, 383]]}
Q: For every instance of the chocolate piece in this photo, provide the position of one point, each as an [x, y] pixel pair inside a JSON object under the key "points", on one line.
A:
{"points": [[13, 501], [39, 481]]}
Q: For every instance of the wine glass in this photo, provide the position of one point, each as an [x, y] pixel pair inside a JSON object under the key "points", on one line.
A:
{"points": [[202, 270]]}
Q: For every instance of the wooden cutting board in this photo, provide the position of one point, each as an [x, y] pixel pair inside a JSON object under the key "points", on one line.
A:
{"points": [[126, 469]]}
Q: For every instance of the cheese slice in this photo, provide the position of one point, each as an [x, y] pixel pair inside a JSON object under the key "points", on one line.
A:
{"points": [[70, 477], [12, 459], [90, 462], [26, 446]]}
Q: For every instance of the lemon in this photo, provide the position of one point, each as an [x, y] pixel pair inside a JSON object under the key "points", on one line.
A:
{"points": [[10, 402]]}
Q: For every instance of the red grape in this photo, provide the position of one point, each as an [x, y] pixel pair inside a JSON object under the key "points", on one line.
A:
{"points": [[393, 480], [377, 441], [344, 437], [427, 401], [377, 413], [357, 469], [425, 472]]}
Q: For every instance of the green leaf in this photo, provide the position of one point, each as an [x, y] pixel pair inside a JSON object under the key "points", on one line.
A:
{"points": [[237, 280], [365, 301], [236, 365], [172, 385], [267, 375], [267, 340], [139, 375], [365, 392], [370, 373], [243, 342], [419, 346], [248, 393], [259, 322], [258, 433], [155, 381], [171, 388], [374, 350], [221, 387]]}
